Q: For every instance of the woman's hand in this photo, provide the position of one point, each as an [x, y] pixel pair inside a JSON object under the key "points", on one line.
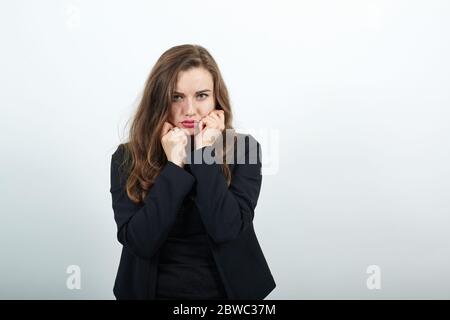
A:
{"points": [[210, 129], [174, 140]]}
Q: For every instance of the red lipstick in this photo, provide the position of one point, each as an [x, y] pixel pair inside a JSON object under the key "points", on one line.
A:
{"points": [[189, 123]]}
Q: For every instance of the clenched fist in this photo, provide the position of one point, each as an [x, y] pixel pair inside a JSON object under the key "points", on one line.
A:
{"points": [[174, 141], [210, 129]]}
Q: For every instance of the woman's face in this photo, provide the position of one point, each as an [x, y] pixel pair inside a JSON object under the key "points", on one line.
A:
{"points": [[193, 98]]}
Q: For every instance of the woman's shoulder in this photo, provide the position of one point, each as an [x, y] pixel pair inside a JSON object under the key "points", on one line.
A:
{"points": [[119, 162], [120, 151]]}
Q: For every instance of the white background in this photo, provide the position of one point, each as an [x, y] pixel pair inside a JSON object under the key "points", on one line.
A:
{"points": [[357, 90]]}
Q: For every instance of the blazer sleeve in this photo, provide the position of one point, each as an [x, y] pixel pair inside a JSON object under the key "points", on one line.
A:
{"points": [[143, 228], [227, 212]]}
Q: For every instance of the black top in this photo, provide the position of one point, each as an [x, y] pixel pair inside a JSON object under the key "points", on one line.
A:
{"points": [[226, 212], [186, 268]]}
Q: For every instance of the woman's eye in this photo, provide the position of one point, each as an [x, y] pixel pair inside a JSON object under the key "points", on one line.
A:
{"points": [[201, 96]]}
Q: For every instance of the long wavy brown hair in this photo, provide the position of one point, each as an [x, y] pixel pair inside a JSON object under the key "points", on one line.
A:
{"points": [[144, 156]]}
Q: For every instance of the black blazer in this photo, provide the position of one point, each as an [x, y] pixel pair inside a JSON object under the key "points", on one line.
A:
{"points": [[227, 214]]}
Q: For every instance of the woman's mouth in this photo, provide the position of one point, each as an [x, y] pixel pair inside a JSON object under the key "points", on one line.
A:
{"points": [[189, 123]]}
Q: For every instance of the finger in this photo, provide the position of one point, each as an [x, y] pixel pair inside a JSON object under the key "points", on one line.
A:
{"points": [[182, 134], [215, 116], [216, 113], [201, 124], [180, 137], [185, 131], [213, 121], [206, 122], [221, 114], [178, 133], [166, 128], [209, 119]]}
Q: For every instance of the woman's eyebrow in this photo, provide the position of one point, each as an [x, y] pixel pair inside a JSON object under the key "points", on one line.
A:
{"points": [[201, 91]]}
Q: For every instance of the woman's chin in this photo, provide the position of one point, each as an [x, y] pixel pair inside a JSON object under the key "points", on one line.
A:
{"points": [[190, 131]]}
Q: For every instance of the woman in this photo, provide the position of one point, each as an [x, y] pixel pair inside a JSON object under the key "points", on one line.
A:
{"points": [[185, 223]]}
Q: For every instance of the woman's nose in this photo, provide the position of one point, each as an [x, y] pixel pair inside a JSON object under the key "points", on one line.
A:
{"points": [[190, 107]]}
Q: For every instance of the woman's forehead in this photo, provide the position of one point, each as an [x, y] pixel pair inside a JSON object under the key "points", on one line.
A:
{"points": [[193, 81]]}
